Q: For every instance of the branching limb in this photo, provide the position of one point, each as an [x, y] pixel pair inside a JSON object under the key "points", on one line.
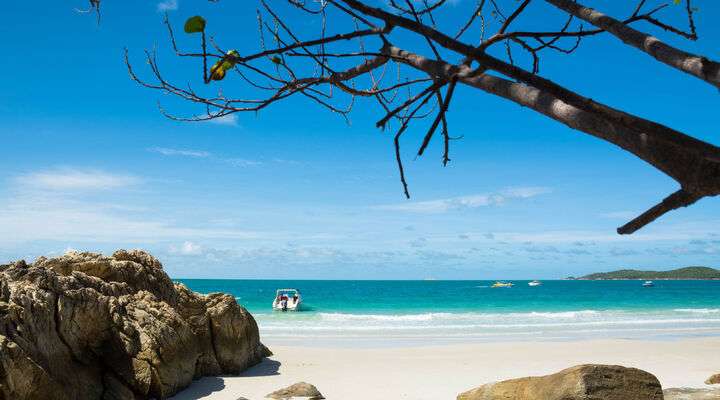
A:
{"points": [[696, 163], [679, 199], [697, 66]]}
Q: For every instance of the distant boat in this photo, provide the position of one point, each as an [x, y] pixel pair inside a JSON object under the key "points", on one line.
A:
{"points": [[648, 284], [287, 300], [502, 284], [534, 283]]}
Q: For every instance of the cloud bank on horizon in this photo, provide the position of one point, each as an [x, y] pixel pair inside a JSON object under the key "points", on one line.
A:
{"points": [[467, 202], [89, 209]]}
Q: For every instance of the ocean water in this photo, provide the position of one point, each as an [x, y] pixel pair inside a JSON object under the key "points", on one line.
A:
{"points": [[471, 311]]}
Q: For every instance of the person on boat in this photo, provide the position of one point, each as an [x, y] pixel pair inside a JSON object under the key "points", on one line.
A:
{"points": [[284, 303]]}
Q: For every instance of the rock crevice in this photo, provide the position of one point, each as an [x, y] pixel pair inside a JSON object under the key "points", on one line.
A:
{"points": [[88, 326]]}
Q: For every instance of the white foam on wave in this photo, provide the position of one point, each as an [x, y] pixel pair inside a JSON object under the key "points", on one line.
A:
{"points": [[698, 310], [484, 334], [564, 314], [495, 325], [339, 317], [457, 316]]}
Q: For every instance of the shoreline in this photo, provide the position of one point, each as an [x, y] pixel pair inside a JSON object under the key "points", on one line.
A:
{"points": [[435, 372], [391, 329]]}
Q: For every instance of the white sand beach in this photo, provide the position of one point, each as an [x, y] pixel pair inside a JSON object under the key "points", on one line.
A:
{"points": [[441, 372]]}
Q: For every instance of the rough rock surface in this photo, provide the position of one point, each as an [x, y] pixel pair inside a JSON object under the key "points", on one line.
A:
{"points": [[692, 394], [300, 389], [713, 380], [582, 382], [86, 326]]}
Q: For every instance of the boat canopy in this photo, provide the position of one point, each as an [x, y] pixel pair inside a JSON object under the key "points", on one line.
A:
{"points": [[287, 292]]}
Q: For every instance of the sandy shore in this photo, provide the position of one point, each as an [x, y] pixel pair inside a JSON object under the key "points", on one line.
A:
{"points": [[441, 372]]}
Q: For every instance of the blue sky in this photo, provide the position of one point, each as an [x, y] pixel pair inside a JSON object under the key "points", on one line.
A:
{"points": [[294, 192]]}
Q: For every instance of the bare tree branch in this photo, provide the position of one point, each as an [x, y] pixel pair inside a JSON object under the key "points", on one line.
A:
{"points": [[333, 69], [681, 198], [697, 66], [679, 152]]}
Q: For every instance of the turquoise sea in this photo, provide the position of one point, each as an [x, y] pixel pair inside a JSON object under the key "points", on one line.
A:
{"points": [[450, 311]]}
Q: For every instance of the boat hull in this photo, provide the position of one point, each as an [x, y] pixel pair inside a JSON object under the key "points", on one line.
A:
{"points": [[290, 307]]}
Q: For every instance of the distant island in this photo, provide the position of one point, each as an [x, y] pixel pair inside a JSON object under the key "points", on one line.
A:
{"points": [[697, 273]]}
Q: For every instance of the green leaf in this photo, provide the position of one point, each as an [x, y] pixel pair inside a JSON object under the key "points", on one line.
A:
{"points": [[677, 1], [276, 60], [195, 24]]}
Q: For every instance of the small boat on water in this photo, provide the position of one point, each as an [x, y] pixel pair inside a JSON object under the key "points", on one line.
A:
{"points": [[534, 283], [503, 284], [648, 284], [287, 300]]}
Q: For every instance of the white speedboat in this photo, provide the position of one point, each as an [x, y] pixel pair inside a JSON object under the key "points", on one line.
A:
{"points": [[287, 300], [648, 284], [534, 283]]}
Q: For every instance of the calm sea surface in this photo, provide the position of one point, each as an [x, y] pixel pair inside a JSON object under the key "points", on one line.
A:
{"points": [[449, 311]]}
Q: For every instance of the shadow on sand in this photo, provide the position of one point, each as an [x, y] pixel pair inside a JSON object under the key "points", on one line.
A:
{"points": [[211, 384], [201, 388], [267, 367]]}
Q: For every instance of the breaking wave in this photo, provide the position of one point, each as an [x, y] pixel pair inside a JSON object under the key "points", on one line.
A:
{"points": [[494, 326]]}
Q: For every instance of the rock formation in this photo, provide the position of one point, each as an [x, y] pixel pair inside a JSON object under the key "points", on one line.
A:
{"points": [[713, 380], [86, 326], [300, 389], [582, 382]]}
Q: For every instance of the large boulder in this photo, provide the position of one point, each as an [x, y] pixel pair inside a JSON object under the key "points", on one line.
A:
{"points": [[87, 326], [297, 390], [582, 382], [713, 380]]}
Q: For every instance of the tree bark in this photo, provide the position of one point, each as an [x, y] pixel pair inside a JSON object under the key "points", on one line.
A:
{"points": [[697, 66]]}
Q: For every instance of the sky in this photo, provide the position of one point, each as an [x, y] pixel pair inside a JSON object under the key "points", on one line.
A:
{"points": [[88, 162]]}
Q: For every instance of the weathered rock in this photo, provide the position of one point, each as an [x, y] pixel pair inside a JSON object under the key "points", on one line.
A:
{"points": [[692, 394], [582, 382], [86, 326], [300, 389], [713, 380]]}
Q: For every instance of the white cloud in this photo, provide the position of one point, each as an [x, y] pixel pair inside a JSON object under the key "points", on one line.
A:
{"points": [[187, 248], [167, 5], [32, 217], [419, 242], [466, 202], [227, 120], [62, 205], [179, 152], [240, 162], [235, 162], [524, 192], [668, 232], [73, 179]]}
